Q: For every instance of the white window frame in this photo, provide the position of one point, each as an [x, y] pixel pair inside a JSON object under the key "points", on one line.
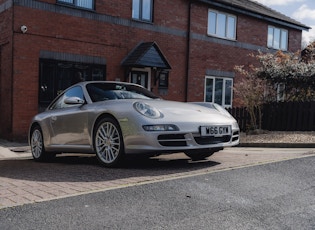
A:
{"points": [[225, 79], [215, 31], [138, 8], [280, 43]]}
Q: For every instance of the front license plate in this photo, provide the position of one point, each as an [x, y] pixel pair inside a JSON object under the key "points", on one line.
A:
{"points": [[215, 131]]}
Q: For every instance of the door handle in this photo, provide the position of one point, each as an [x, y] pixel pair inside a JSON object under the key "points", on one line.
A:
{"points": [[53, 118]]}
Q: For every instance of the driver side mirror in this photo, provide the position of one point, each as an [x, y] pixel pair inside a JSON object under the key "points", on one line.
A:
{"points": [[74, 101]]}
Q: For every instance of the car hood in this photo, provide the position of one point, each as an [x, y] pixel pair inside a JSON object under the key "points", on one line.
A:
{"points": [[187, 111]]}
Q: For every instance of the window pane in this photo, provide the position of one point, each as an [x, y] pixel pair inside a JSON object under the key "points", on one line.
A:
{"points": [[270, 37], [276, 39], [280, 92], [228, 92], [136, 9], [67, 1], [231, 27], [146, 10], [55, 76], [209, 90], [46, 84], [97, 74], [85, 3], [221, 25], [75, 92], [218, 91], [212, 22], [284, 40]]}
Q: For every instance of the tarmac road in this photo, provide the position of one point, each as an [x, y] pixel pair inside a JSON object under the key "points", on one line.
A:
{"points": [[260, 194]]}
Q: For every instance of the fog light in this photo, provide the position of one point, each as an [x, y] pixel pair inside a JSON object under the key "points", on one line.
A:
{"points": [[160, 128]]}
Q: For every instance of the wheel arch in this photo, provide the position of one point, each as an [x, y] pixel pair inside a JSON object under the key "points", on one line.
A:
{"points": [[100, 117], [32, 126]]}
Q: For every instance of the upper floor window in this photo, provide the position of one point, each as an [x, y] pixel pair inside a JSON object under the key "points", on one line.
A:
{"points": [[142, 10], [221, 25], [277, 38], [89, 4]]}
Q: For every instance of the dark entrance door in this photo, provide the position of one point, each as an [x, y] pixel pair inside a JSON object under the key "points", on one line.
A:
{"points": [[140, 78]]}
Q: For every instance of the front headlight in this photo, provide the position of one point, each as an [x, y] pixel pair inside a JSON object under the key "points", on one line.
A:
{"points": [[147, 110]]}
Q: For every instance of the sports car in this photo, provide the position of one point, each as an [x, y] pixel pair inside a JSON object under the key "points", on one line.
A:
{"points": [[113, 119]]}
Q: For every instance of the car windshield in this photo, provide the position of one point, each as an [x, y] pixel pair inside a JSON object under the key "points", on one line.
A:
{"points": [[114, 91]]}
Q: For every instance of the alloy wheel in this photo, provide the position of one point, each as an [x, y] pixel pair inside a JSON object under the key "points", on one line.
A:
{"points": [[108, 142]]}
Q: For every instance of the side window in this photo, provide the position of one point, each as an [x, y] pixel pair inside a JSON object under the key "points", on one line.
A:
{"points": [[277, 38], [142, 10], [221, 25], [73, 92], [219, 90]]}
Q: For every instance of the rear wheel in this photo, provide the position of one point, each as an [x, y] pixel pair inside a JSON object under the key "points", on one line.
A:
{"points": [[108, 142], [37, 146], [199, 154]]}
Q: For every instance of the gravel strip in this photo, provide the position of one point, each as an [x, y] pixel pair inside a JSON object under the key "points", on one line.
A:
{"points": [[278, 137]]}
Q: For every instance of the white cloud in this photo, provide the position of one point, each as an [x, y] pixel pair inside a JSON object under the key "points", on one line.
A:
{"points": [[278, 2], [308, 36], [304, 12]]}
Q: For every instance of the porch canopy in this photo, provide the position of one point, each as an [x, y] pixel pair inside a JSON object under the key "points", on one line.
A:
{"points": [[146, 54]]}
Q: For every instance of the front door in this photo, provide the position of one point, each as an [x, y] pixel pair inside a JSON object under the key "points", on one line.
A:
{"points": [[140, 78], [69, 123]]}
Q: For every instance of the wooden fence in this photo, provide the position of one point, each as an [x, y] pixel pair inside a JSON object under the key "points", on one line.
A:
{"points": [[283, 116]]}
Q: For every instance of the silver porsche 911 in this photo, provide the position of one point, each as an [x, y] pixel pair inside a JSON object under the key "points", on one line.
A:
{"points": [[112, 119]]}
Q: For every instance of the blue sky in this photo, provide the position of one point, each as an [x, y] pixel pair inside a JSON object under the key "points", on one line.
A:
{"points": [[300, 10]]}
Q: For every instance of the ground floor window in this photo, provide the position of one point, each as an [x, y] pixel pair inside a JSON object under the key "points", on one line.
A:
{"points": [[280, 92], [219, 90], [55, 76]]}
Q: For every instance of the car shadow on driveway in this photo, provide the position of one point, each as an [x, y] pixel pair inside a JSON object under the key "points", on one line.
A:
{"points": [[86, 168]]}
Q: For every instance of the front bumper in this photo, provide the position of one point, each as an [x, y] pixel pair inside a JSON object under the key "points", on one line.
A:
{"points": [[177, 141]]}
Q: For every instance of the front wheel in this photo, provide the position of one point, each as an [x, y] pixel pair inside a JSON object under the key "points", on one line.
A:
{"points": [[199, 154], [108, 142], [37, 146]]}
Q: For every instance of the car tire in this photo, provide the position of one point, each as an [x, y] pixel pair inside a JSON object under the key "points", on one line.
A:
{"points": [[37, 146], [108, 142], [199, 154]]}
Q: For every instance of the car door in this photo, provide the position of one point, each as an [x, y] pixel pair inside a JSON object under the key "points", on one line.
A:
{"points": [[68, 122]]}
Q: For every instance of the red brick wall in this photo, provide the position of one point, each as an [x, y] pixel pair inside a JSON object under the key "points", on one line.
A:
{"points": [[172, 14], [295, 38]]}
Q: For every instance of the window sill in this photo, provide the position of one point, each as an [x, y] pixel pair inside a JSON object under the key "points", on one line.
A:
{"points": [[75, 7], [142, 21], [224, 38], [284, 50]]}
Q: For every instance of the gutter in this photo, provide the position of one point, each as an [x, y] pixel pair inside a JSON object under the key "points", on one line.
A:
{"points": [[188, 51], [254, 14]]}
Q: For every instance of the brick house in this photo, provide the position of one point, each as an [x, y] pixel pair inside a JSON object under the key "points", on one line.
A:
{"points": [[181, 50]]}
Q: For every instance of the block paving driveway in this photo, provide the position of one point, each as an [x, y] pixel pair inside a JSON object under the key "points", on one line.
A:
{"points": [[23, 181]]}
